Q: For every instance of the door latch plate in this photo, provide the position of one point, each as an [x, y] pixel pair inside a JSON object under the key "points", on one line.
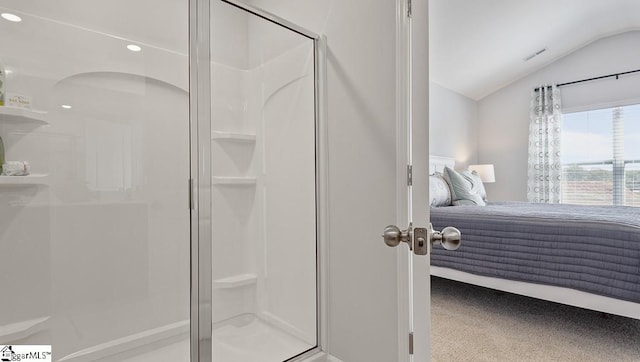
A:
{"points": [[420, 241]]}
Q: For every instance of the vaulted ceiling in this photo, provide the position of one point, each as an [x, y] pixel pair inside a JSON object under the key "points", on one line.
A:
{"points": [[480, 46]]}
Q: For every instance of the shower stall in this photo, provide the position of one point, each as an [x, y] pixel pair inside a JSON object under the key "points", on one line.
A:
{"points": [[172, 201], [264, 266]]}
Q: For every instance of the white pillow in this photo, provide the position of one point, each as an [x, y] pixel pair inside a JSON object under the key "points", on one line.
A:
{"points": [[439, 193]]}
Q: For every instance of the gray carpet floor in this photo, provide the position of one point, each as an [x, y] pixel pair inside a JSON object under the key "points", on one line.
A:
{"points": [[470, 323]]}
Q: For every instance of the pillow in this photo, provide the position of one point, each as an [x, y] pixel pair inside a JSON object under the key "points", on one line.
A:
{"points": [[439, 193], [476, 183], [461, 189]]}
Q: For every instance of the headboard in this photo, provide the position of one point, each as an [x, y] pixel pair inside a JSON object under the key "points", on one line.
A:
{"points": [[437, 163]]}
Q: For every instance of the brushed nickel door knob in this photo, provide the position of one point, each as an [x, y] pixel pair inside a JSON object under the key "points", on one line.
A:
{"points": [[450, 238]]}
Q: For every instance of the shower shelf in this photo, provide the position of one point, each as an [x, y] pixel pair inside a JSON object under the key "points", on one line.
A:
{"points": [[239, 181], [233, 137], [16, 331], [33, 179], [13, 114], [235, 281]]}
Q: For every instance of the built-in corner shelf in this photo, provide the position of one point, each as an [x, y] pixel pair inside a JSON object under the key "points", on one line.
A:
{"points": [[13, 114], [233, 137], [234, 181], [235, 281], [20, 330], [33, 179]]}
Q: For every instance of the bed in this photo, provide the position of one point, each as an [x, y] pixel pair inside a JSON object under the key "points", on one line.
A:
{"points": [[583, 256]]}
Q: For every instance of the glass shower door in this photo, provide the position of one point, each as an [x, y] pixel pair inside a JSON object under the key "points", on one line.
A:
{"points": [[94, 240], [263, 194]]}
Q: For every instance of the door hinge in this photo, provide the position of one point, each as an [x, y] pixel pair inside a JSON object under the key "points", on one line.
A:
{"points": [[409, 9], [411, 343], [410, 175]]}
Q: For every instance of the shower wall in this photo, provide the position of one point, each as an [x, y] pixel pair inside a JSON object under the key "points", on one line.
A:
{"points": [[95, 244], [263, 152]]}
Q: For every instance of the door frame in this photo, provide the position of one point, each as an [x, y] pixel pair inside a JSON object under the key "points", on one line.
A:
{"points": [[201, 317], [412, 81], [403, 111]]}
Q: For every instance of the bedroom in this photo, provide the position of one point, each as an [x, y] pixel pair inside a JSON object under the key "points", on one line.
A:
{"points": [[485, 104]]}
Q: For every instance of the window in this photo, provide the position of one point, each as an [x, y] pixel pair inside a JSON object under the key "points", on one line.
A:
{"points": [[601, 156]]}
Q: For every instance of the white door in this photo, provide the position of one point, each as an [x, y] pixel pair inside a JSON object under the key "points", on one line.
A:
{"points": [[413, 149], [420, 298], [414, 229]]}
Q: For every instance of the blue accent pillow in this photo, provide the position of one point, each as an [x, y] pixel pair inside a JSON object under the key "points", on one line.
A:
{"points": [[462, 192], [476, 183]]}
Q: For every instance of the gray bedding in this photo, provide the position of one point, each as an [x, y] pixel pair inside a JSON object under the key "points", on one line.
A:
{"points": [[595, 249]]}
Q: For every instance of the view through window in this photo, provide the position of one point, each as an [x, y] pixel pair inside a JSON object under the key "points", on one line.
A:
{"points": [[601, 156]]}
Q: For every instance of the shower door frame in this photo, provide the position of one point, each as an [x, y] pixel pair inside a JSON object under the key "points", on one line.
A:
{"points": [[200, 181]]}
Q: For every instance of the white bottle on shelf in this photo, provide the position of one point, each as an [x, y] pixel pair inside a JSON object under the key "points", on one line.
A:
{"points": [[1, 155], [2, 85]]}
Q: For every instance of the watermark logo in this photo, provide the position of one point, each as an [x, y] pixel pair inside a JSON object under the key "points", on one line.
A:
{"points": [[11, 353], [7, 353]]}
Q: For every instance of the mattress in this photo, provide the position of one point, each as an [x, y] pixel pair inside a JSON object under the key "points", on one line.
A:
{"points": [[595, 249]]}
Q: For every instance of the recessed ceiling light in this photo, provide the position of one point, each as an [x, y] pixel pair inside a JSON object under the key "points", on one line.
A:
{"points": [[66, 106], [11, 17], [134, 48]]}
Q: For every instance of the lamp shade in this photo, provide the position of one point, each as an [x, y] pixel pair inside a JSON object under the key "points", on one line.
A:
{"points": [[485, 172]]}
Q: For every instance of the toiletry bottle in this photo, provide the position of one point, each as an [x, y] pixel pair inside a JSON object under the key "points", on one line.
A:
{"points": [[2, 90], [2, 86], [1, 155]]}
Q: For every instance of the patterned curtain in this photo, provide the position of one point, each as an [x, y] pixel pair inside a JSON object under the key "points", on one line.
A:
{"points": [[545, 168]]}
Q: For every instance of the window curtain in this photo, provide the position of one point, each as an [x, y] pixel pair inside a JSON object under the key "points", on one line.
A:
{"points": [[545, 167]]}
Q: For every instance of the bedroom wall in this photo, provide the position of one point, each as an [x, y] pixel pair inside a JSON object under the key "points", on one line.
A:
{"points": [[504, 115], [453, 120]]}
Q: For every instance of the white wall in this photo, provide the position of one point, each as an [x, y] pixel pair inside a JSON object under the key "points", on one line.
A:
{"points": [[504, 115], [453, 126]]}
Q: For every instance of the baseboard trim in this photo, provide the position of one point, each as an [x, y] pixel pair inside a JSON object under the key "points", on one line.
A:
{"points": [[129, 343]]}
